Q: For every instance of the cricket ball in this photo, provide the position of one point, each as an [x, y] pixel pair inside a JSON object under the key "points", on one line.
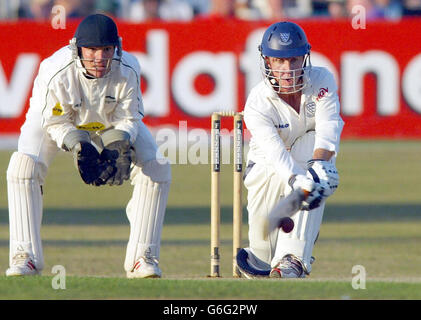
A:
{"points": [[286, 224]]}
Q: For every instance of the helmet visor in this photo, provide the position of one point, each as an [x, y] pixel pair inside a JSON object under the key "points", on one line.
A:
{"points": [[97, 61], [285, 81]]}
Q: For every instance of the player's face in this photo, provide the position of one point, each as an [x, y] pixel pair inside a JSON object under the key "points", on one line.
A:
{"points": [[287, 71], [97, 60]]}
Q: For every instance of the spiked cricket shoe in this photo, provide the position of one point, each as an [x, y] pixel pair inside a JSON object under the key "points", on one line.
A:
{"points": [[22, 265], [289, 267], [145, 267]]}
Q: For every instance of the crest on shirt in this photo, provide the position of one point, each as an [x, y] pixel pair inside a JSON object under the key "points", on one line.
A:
{"points": [[310, 109], [285, 38]]}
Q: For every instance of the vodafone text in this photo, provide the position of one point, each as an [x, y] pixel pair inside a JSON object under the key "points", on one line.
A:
{"points": [[395, 77]]}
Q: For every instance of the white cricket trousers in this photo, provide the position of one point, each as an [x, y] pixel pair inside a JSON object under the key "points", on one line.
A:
{"points": [[265, 189]]}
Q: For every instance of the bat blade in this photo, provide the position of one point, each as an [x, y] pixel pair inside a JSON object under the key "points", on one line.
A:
{"points": [[286, 207]]}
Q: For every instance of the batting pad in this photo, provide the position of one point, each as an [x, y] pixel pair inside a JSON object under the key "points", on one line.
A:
{"points": [[300, 241], [25, 207], [146, 211]]}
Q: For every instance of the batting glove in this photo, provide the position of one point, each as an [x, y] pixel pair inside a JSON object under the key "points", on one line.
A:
{"points": [[325, 173], [312, 190]]}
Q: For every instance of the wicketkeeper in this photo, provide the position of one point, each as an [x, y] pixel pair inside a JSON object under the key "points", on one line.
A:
{"points": [[295, 125], [86, 100]]}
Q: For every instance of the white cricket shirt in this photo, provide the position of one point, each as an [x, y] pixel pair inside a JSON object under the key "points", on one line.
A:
{"points": [[70, 101], [274, 125]]}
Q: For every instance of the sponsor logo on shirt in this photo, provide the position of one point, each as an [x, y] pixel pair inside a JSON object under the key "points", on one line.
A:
{"points": [[57, 109], [281, 126], [109, 99], [322, 93], [92, 126]]}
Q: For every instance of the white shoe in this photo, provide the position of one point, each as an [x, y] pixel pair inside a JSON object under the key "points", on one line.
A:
{"points": [[145, 267], [289, 267], [22, 265]]}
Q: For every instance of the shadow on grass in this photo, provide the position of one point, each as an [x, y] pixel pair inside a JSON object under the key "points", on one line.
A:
{"points": [[73, 243], [201, 215]]}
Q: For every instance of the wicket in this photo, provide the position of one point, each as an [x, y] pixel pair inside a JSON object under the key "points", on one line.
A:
{"points": [[215, 189]]}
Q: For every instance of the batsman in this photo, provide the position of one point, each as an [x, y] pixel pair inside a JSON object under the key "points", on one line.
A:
{"points": [[86, 100], [295, 126]]}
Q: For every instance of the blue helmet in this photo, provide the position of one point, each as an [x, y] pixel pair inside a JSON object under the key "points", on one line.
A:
{"points": [[284, 40], [97, 30]]}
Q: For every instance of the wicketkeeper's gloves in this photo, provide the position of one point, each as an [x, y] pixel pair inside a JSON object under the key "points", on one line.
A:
{"points": [[85, 155], [119, 153]]}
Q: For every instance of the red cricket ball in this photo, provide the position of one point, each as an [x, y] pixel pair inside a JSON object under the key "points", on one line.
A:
{"points": [[287, 224]]}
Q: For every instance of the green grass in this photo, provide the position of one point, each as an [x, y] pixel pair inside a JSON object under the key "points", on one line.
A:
{"points": [[220, 289], [373, 220]]}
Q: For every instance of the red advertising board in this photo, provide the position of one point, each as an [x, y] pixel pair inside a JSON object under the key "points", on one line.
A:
{"points": [[192, 69]]}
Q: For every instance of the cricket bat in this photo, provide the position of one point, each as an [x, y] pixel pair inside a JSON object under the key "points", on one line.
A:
{"points": [[286, 207]]}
